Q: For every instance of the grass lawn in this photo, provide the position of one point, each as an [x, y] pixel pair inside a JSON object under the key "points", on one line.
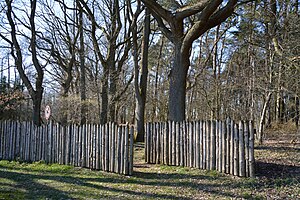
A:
{"points": [[278, 177]]}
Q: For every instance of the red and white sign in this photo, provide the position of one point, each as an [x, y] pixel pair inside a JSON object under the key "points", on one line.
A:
{"points": [[47, 112]]}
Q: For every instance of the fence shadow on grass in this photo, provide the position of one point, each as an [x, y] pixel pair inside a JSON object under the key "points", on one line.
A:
{"points": [[275, 170], [31, 185]]}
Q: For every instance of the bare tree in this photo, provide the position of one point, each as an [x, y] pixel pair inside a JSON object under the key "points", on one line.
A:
{"points": [[207, 14], [35, 88]]}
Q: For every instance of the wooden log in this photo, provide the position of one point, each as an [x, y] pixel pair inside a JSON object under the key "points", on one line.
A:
{"points": [[197, 147], [107, 147], [90, 147], [12, 140], [122, 150], [31, 144], [77, 146], [39, 143], [26, 143], [181, 142], [170, 142], [83, 147], [188, 144], [226, 139], [213, 146], [42, 143], [162, 145], [191, 144], [158, 147], [251, 150], [242, 166], [246, 147], [103, 147], [22, 140], [8, 133], [223, 147], [201, 144], [166, 143], [1, 139], [16, 146], [232, 146], [8, 143], [119, 149], [131, 151], [217, 145], [204, 145], [68, 144], [148, 146], [17, 140], [154, 143], [177, 127], [173, 143], [54, 142], [208, 144], [35, 150], [114, 147], [194, 143], [79, 151], [61, 144], [5, 140], [56, 146], [72, 144], [93, 148], [111, 138], [98, 160], [236, 150], [51, 146]]}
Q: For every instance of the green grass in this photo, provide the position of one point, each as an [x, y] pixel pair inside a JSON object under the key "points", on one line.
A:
{"points": [[41, 181]]}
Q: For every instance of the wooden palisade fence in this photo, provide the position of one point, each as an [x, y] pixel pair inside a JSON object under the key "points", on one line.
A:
{"points": [[213, 145], [102, 147]]}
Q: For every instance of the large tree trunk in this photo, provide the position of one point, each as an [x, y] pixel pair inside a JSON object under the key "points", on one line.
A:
{"points": [[37, 102], [104, 96], [141, 88], [113, 85], [178, 84], [83, 110]]}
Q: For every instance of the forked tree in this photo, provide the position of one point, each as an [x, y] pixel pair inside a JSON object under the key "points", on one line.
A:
{"points": [[182, 26]]}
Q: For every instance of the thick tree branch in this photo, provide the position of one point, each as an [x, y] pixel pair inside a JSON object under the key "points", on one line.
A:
{"points": [[190, 10], [157, 9]]}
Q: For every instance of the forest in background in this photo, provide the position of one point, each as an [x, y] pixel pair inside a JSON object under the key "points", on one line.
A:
{"points": [[98, 61]]}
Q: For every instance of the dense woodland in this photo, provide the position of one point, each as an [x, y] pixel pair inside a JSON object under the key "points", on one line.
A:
{"points": [[147, 60]]}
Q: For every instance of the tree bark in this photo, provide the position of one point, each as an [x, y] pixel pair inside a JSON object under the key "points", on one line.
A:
{"points": [[83, 110], [141, 87], [104, 96], [262, 118], [177, 88]]}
